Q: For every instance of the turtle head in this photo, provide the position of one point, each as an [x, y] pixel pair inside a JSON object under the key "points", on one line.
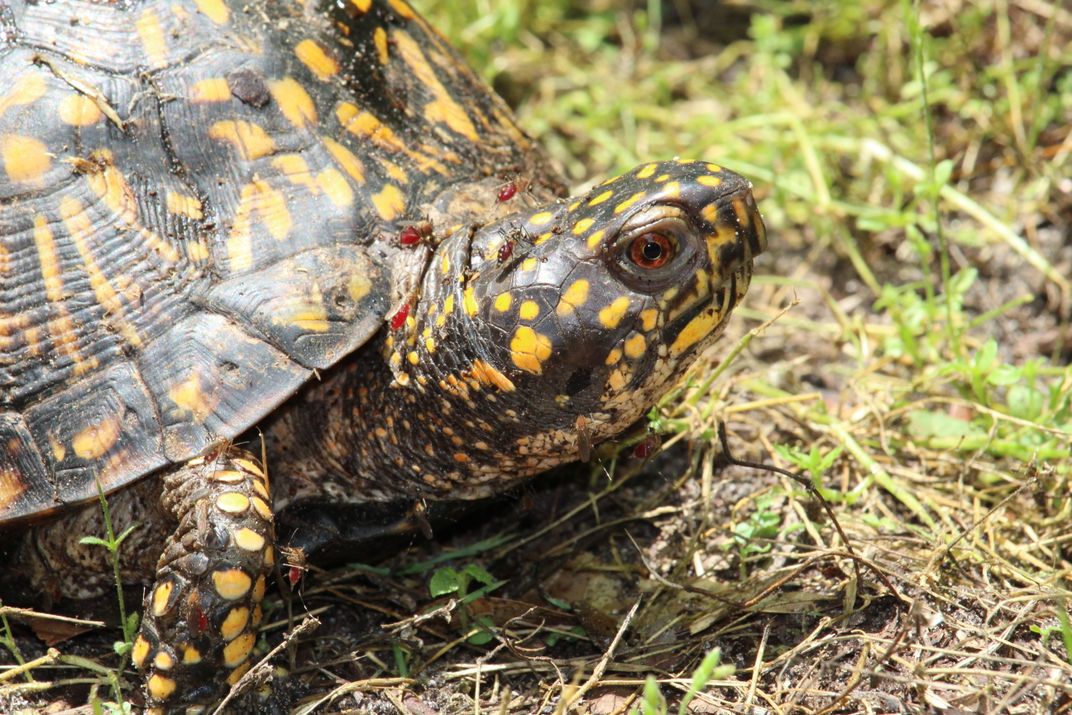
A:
{"points": [[588, 307]]}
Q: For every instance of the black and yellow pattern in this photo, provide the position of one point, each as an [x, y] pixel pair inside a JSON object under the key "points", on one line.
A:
{"points": [[307, 220]]}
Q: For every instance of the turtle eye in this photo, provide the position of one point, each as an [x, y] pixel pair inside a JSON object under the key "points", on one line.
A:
{"points": [[652, 250]]}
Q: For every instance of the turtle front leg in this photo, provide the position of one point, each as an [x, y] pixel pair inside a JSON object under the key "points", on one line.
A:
{"points": [[200, 619]]}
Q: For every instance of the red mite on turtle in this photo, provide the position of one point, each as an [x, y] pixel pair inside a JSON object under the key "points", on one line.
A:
{"points": [[205, 214]]}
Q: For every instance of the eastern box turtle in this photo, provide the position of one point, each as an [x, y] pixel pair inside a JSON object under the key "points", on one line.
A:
{"points": [[310, 229]]}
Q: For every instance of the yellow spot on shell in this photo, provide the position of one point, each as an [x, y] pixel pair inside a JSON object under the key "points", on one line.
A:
{"points": [[443, 108], [648, 318], [293, 101], [582, 226], [630, 202], [529, 264], [248, 540], [27, 90], [214, 10], [444, 264], [646, 171], [188, 206], [503, 302], [189, 396], [635, 346], [191, 655], [346, 159], [448, 305], [595, 239], [359, 286], [232, 502], [601, 198], [61, 327], [335, 187], [316, 58], [490, 375], [207, 91], [152, 38], [238, 650], [234, 623], [529, 310], [140, 651], [161, 596], [163, 661], [709, 180], [231, 583], [95, 441], [362, 5], [573, 297], [404, 11], [389, 202], [541, 219], [469, 302], [529, 349], [696, 329], [160, 688], [249, 139], [78, 110], [25, 158], [257, 199], [379, 38], [612, 315]]}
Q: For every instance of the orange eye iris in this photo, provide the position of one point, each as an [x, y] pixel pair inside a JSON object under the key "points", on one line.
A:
{"points": [[651, 250]]}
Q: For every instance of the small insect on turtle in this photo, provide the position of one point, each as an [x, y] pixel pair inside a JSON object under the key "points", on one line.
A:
{"points": [[203, 236]]}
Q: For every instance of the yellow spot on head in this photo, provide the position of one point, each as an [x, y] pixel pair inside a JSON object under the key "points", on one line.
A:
{"points": [[616, 379], [612, 315], [258, 590], [529, 310], [389, 202], [470, 303], [191, 655], [613, 356], [671, 190], [238, 650], [214, 10], [583, 225], [448, 305], [648, 318], [503, 302], [541, 219], [163, 661], [293, 101], [529, 349], [595, 239], [461, 457], [601, 198], [630, 202], [160, 688], [714, 168], [261, 507], [79, 110], [25, 158], [238, 672], [404, 11], [379, 38], [316, 58], [635, 346], [490, 375], [413, 357], [646, 171], [362, 5], [234, 623], [529, 264], [231, 583], [96, 439], [213, 89], [161, 596], [359, 286], [709, 180], [696, 329], [248, 139], [573, 297]]}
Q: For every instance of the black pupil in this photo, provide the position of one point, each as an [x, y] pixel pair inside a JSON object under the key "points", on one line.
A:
{"points": [[652, 251]]}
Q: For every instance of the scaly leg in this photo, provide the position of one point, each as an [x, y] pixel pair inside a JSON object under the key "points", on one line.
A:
{"points": [[200, 619]]}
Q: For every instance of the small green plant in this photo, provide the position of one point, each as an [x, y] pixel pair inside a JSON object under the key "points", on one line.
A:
{"points": [[112, 543], [815, 463], [653, 702], [447, 581]]}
